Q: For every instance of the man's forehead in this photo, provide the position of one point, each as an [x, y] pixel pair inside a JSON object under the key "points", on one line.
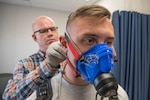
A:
{"points": [[86, 21], [90, 27], [93, 35]]}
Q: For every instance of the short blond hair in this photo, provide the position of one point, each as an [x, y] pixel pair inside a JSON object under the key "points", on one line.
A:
{"points": [[89, 10]]}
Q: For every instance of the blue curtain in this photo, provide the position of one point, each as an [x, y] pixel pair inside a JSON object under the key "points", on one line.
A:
{"points": [[132, 44]]}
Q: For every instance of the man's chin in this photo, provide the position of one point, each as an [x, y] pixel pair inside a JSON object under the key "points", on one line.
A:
{"points": [[50, 42]]}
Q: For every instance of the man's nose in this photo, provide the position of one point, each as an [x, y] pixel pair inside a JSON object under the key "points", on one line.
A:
{"points": [[114, 54], [50, 32]]}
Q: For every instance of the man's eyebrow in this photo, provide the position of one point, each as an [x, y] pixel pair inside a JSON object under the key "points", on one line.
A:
{"points": [[89, 34], [110, 38], [94, 35]]}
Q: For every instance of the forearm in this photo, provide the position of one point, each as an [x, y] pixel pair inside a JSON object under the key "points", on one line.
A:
{"points": [[9, 92], [15, 87], [33, 81], [26, 86]]}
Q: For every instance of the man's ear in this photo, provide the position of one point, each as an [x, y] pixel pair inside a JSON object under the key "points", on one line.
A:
{"points": [[63, 41], [34, 37]]}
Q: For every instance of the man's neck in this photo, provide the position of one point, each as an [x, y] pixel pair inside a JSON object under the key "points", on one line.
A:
{"points": [[71, 78], [43, 52]]}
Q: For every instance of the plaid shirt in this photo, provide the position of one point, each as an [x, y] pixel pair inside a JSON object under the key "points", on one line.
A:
{"points": [[29, 74]]}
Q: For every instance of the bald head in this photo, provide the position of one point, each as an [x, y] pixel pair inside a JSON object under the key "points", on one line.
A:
{"points": [[42, 21]]}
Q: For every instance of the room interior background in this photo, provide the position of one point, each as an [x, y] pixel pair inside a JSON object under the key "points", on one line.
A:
{"points": [[15, 27], [16, 41]]}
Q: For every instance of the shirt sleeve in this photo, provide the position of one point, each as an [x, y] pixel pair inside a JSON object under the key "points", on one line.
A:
{"points": [[24, 83]]}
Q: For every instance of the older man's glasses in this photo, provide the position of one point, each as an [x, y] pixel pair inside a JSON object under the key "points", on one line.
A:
{"points": [[45, 30]]}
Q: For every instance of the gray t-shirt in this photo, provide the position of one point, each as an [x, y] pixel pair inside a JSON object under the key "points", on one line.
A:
{"points": [[62, 90]]}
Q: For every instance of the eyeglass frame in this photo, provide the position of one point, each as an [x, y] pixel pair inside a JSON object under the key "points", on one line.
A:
{"points": [[45, 30]]}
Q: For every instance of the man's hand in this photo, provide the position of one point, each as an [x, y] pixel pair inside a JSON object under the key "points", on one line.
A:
{"points": [[55, 55]]}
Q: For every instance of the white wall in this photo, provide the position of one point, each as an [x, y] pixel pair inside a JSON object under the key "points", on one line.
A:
{"points": [[128, 5], [15, 27], [15, 32]]}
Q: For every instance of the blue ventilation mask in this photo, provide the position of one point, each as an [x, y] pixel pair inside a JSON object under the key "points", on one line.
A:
{"points": [[95, 61]]}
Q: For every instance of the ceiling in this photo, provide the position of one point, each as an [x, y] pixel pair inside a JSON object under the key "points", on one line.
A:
{"points": [[61, 5]]}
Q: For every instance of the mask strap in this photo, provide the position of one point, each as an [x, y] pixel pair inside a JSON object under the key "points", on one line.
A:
{"points": [[75, 72], [75, 51]]}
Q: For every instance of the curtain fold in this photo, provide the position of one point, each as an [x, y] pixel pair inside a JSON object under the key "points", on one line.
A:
{"points": [[132, 38]]}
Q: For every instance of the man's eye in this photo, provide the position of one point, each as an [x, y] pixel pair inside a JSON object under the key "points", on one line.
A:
{"points": [[53, 28], [43, 30], [90, 41], [109, 43]]}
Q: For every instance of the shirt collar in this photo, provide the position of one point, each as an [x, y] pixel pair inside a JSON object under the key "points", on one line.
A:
{"points": [[41, 53]]}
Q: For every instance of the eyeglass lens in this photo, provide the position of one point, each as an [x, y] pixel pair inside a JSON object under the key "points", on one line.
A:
{"points": [[46, 30]]}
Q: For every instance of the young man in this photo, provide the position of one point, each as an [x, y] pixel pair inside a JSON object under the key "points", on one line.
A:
{"points": [[88, 44], [26, 74]]}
